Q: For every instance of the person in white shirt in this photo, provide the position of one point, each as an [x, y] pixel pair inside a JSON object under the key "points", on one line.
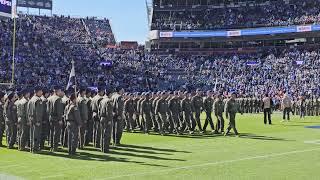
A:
{"points": [[286, 107], [266, 106]]}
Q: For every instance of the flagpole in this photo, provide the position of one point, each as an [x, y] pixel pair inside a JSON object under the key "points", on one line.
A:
{"points": [[13, 47], [75, 80]]}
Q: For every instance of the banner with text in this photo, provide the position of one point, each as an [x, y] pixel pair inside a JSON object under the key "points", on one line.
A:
{"points": [[243, 32]]}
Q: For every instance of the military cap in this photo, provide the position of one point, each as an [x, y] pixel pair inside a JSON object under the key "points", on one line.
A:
{"points": [[57, 87], [83, 90], [11, 95], [37, 89], [2, 94], [72, 97]]}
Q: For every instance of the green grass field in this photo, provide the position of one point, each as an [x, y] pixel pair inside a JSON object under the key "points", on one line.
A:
{"points": [[262, 152]]}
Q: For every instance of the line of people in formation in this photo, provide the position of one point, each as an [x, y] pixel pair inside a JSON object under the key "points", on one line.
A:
{"points": [[31, 118]]}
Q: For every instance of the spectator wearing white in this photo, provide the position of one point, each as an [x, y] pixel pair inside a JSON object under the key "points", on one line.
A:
{"points": [[267, 104], [286, 107]]}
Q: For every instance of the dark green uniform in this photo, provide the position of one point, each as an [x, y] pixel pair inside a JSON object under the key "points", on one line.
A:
{"points": [[45, 129], [96, 120], [186, 108], [146, 108], [140, 118], [118, 118], [55, 110], [73, 119], [197, 105], [129, 111], [156, 116], [24, 128], [232, 108], [175, 109], [89, 125], [136, 113], [83, 108], [208, 107], [162, 112], [35, 113], [218, 108], [106, 118], [153, 115], [11, 119], [2, 123]]}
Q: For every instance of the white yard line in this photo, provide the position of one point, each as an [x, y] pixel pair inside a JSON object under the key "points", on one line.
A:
{"points": [[313, 142], [214, 163], [53, 176]]}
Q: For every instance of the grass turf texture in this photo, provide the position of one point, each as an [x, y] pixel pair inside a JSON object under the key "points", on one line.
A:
{"points": [[261, 152]]}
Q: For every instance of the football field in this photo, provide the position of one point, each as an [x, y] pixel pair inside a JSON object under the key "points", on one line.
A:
{"points": [[285, 150]]}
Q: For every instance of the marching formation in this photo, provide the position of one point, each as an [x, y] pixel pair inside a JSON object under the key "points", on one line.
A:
{"points": [[77, 119], [33, 117]]}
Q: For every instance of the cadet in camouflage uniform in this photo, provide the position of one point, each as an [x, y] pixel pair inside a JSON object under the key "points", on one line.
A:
{"points": [[45, 128], [175, 109], [95, 116], [129, 111], [197, 106], [141, 122], [146, 108], [136, 114], [155, 126], [308, 104], [208, 107], [302, 105], [64, 129], [35, 113], [231, 109], [10, 115], [186, 108], [23, 123], [73, 119], [2, 121], [317, 106], [247, 105], [106, 118], [162, 112], [83, 108], [218, 109], [118, 118], [156, 116], [89, 125], [55, 111]]}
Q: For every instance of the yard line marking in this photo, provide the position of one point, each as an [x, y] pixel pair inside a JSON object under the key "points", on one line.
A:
{"points": [[9, 166], [215, 163], [53, 176], [313, 142]]}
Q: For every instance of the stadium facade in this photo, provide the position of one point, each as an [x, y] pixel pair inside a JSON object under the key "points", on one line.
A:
{"points": [[187, 26]]}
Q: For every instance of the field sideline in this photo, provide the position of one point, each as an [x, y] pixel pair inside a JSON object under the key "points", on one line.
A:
{"points": [[281, 151]]}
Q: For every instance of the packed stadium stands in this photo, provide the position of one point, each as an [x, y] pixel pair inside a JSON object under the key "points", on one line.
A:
{"points": [[208, 15], [46, 45]]}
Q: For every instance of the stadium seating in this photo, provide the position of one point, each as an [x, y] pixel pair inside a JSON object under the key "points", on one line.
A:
{"points": [[169, 16], [46, 46]]}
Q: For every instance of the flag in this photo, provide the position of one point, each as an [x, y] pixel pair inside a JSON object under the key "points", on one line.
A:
{"points": [[6, 8], [72, 77]]}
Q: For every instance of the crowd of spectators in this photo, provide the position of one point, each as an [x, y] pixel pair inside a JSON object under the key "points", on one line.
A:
{"points": [[275, 13], [44, 52]]}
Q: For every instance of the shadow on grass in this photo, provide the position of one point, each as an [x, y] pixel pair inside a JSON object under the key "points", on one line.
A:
{"points": [[259, 137], [96, 157], [139, 151], [152, 148]]}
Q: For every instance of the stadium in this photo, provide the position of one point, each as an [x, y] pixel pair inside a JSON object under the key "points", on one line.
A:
{"points": [[216, 89]]}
